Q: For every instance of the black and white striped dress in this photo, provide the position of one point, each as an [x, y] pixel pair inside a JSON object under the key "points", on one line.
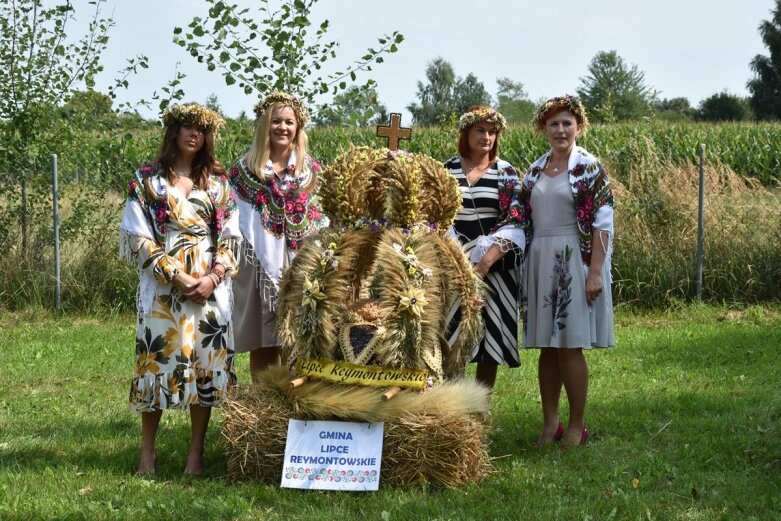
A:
{"points": [[479, 214]]}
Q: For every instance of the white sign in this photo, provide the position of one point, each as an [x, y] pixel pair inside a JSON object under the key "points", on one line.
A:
{"points": [[332, 455]]}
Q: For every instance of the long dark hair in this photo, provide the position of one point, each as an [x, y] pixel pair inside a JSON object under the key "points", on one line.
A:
{"points": [[204, 163]]}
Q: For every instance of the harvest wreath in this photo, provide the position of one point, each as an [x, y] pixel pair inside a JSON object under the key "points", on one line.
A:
{"points": [[368, 299]]}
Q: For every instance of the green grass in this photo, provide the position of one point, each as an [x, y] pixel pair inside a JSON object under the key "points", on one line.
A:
{"points": [[688, 405]]}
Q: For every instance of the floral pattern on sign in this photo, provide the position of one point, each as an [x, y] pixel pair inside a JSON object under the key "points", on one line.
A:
{"points": [[331, 475]]}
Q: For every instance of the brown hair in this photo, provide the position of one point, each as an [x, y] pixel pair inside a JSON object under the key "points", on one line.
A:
{"points": [[463, 135], [204, 163]]}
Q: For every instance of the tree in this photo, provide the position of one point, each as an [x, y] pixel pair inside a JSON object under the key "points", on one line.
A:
{"points": [[356, 107], [765, 87], [725, 107], [674, 109], [513, 101], [613, 90], [470, 91], [90, 110], [274, 48], [42, 68], [213, 103], [445, 95]]}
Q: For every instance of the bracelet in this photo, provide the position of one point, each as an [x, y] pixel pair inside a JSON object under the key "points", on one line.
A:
{"points": [[220, 276], [215, 280]]}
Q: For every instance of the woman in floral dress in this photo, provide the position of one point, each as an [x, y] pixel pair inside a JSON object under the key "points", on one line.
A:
{"points": [[275, 187], [488, 227], [567, 214], [181, 228]]}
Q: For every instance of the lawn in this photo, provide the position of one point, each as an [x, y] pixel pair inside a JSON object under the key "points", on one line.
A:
{"points": [[685, 418]]}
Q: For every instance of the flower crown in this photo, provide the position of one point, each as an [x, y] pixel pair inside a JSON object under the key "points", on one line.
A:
{"points": [[557, 104], [302, 114], [194, 115], [476, 116]]}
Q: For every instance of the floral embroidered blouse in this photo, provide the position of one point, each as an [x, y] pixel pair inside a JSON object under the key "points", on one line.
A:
{"points": [[277, 214], [288, 205]]}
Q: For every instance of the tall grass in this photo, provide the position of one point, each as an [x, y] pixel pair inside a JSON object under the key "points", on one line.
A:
{"points": [[656, 238]]}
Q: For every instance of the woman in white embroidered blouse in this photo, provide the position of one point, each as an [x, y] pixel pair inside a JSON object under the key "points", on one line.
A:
{"points": [[275, 187]]}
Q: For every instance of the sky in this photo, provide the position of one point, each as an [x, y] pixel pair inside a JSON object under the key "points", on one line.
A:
{"points": [[686, 48]]}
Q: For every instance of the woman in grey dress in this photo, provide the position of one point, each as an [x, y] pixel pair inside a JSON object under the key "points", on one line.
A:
{"points": [[567, 209]]}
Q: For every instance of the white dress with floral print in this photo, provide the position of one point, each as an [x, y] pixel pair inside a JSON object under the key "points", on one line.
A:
{"points": [[184, 350]]}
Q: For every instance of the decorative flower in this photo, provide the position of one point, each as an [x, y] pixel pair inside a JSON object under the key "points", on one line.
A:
{"points": [[559, 103], [312, 292], [160, 213], [285, 100], [487, 115], [194, 115], [414, 300]]}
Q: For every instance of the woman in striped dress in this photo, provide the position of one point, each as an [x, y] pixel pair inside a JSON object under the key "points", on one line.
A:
{"points": [[490, 232]]}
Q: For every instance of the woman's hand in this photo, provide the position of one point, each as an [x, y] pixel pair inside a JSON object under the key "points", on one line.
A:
{"points": [[201, 290], [594, 286], [195, 290], [184, 281], [482, 268]]}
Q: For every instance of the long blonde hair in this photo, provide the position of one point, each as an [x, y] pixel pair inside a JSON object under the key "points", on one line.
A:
{"points": [[260, 151]]}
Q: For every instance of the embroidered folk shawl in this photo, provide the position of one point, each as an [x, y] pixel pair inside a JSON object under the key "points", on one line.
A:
{"points": [[507, 231], [278, 214], [591, 195]]}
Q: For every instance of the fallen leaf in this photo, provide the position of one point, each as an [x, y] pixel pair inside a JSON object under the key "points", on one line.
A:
{"points": [[79, 474], [86, 490], [635, 483]]}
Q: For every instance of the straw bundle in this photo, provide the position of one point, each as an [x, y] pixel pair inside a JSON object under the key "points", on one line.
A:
{"points": [[438, 436]]}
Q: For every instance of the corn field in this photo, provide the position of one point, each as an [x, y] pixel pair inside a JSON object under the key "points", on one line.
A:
{"points": [[653, 167]]}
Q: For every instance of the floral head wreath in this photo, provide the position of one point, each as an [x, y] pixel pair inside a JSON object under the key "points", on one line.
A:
{"points": [[302, 114], [194, 115], [557, 104], [487, 115]]}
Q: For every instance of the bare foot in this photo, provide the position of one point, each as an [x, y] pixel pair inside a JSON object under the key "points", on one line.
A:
{"points": [[549, 435], [574, 437], [147, 464], [195, 464]]}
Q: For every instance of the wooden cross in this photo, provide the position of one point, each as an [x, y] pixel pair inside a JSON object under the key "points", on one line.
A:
{"points": [[394, 132]]}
